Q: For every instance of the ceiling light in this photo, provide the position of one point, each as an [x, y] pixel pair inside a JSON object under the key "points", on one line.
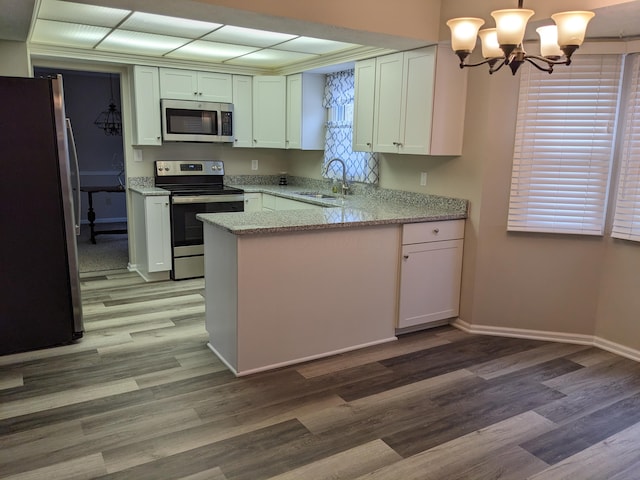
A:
{"points": [[503, 45], [110, 120]]}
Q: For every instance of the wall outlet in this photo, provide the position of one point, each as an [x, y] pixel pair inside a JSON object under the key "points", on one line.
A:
{"points": [[423, 179], [254, 164]]}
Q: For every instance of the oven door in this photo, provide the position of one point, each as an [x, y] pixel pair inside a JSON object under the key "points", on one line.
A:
{"points": [[186, 229]]}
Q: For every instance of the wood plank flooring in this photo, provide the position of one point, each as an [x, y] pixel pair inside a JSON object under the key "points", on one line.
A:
{"points": [[141, 397]]}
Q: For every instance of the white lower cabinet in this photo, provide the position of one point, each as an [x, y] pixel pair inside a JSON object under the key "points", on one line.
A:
{"points": [[288, 204], [430, 272], [272, 203], [252, 202], [152, 234]]}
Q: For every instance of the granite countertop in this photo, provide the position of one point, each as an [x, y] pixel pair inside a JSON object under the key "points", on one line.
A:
{"points": [[149, 191], [386, 207]]}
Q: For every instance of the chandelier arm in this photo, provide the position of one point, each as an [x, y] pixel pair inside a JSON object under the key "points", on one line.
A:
{"points": [[549, 69], [549, 61], [490, 61], [500, 65]]}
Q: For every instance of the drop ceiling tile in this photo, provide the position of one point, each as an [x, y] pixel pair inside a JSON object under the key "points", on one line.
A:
{"points": [[313, 45], [160, 24], [210, 51], [81, 13], [140, 43], [247, 36], [67, 34], [269, 58]]}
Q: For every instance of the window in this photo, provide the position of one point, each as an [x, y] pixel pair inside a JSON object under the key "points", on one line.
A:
{"points": [[338, 99], [563, 147], [626, 221]]}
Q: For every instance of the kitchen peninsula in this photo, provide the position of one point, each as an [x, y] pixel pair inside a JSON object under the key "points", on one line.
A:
{"points": [[291, 285]]}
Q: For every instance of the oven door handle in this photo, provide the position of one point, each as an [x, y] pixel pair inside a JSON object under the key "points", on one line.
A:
{"points": [[181, 199]]}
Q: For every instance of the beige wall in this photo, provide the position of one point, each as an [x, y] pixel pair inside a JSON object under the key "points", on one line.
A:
{"points": [[14, 59], [618, 313]]}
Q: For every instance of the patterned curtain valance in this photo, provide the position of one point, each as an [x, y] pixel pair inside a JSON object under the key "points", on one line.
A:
{"points": [[339, 89]]}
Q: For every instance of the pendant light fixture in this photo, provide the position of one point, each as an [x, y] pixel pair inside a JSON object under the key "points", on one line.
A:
{"points": [[502, 45], [110, 120]]}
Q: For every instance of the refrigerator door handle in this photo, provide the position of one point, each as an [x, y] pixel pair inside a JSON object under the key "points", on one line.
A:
{"points": [[74, 156]]}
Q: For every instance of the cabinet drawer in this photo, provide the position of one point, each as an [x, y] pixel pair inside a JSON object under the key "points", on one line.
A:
{"points": [[432, 231]]}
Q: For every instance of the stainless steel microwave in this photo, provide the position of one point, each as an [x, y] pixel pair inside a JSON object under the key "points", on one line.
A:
{"points": [[194, 121]]}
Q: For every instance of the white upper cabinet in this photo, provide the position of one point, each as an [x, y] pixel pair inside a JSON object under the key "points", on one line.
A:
{"points": [[365, 81], [146, 106], [306, 117], [418, 105], [180, 84], [243, 111], [269, 111]]}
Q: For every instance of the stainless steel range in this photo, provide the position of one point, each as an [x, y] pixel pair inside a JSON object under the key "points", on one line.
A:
{"points": [[196, 187]]}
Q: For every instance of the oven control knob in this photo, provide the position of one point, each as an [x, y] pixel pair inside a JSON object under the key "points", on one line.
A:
{"points": [[166, 169]]}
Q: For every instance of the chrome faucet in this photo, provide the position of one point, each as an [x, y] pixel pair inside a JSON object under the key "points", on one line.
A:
{"points": [[345, 185]]}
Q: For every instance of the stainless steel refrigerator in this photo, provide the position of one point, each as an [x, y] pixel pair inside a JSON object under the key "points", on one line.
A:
{"points": [[40, 304]]}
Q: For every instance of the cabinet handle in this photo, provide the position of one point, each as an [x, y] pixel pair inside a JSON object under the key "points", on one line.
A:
{"points": [[195, 93], [405, 256], [436, 230], [368, 144]]}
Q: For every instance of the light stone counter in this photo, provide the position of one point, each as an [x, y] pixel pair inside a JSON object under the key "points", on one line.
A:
{"points": [[387, 207], [147, 191]]}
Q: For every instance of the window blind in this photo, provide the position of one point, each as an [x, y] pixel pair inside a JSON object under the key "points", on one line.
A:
{"points": [[626, 221], [563, 146]]}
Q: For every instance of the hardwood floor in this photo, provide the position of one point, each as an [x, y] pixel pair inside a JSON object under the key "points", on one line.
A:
{"points": [[141, 397]]}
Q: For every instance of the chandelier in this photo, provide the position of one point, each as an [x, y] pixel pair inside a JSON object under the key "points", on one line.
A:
{"points": [[110, 120], [503, 45]]}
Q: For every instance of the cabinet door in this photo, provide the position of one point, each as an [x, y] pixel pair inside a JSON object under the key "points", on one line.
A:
{"points": [[252, 202], [386, 123], [158, 233], [215, 87], [429, 282], [242, 111], [178, 84], [417, 101], [268, 202], [146, 106], [306, 116], [288, 204], [294, 111], [365, 81], [269, 111]]}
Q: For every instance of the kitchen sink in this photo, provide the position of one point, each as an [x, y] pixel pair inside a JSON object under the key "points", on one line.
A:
{"points": [[315, 195]]}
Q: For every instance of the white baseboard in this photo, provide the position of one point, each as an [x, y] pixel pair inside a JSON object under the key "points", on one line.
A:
{"points": [[297, 360], [560, 337]]}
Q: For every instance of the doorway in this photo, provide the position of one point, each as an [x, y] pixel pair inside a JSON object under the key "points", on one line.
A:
{"points": [[101, 164]]}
